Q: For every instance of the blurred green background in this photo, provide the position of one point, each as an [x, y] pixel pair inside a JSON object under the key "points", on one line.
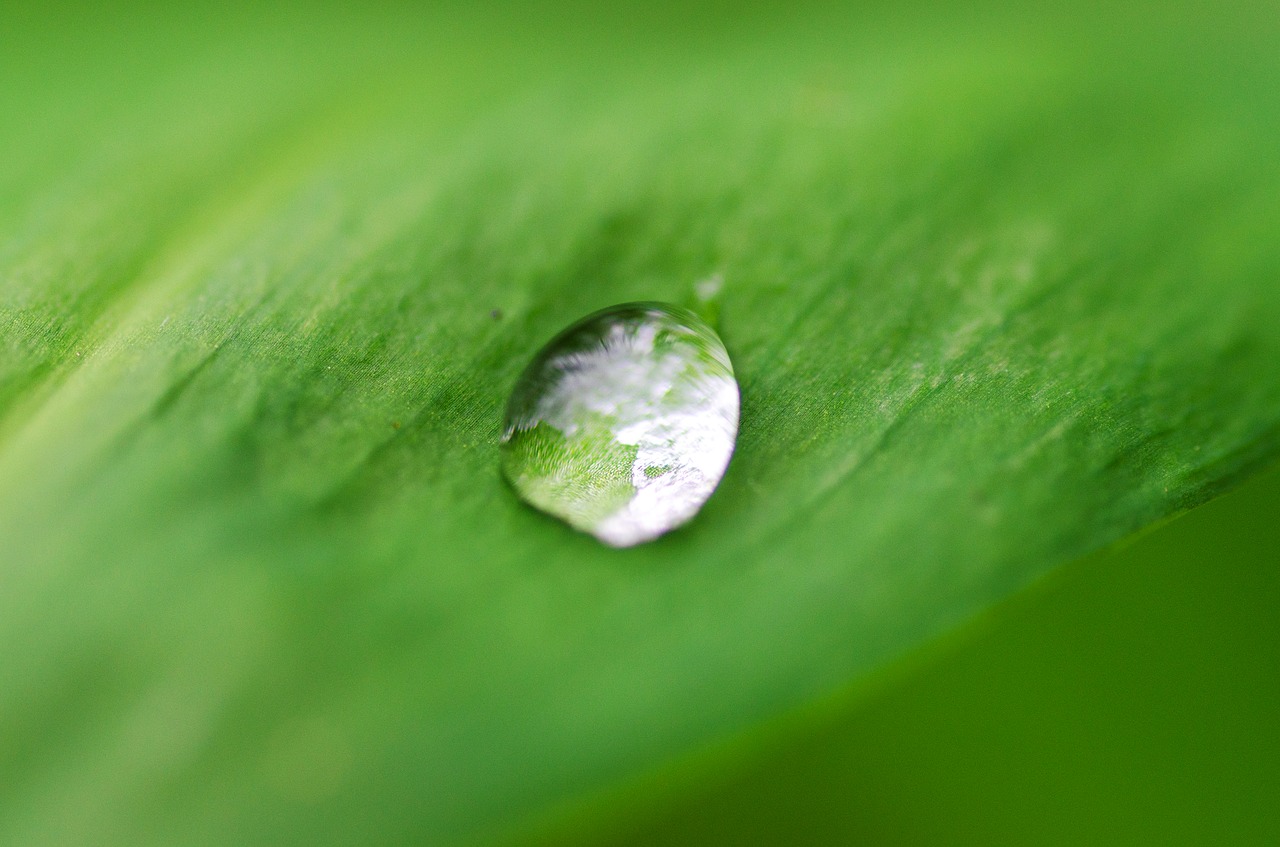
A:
{"points": [[1130, 698], [1001, 285]]}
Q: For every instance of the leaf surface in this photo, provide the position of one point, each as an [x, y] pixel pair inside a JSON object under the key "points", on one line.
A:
{"points": [[999, 289]]}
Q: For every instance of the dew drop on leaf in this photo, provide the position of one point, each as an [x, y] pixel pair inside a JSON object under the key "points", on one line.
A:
{"points": [[623, 425]]}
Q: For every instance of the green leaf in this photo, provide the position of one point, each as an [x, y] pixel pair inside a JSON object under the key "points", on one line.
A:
{"points": [[999, 288]]}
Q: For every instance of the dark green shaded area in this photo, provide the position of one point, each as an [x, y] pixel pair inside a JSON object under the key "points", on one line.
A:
{"points": [[1130, 699], [999, 288]]}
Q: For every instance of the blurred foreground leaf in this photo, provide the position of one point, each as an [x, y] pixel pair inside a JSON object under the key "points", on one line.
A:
{"points": [[999, 289]]}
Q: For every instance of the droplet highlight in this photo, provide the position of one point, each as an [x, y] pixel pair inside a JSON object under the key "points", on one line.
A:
{"points": [[624, 423]]}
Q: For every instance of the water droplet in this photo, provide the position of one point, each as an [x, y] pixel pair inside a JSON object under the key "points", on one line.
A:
{"points": [[624, 423]]}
